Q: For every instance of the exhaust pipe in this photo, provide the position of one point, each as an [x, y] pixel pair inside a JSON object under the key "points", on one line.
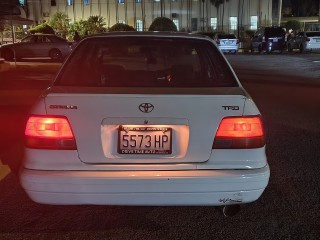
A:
{"points": [[231, 210]]}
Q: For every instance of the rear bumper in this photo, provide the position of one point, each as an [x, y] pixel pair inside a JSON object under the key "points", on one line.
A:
{"points": [[274, 46], [155, 188], [228, 48], [312, 47]]}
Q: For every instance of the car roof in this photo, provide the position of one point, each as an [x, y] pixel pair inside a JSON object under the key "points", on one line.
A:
{"points": [[149, 34], [226, 34], [42, 34], [311, 31]]}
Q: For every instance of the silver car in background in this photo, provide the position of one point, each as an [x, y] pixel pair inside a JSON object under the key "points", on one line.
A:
{"points": [[38, 45], [227, 42], [305, 41]]}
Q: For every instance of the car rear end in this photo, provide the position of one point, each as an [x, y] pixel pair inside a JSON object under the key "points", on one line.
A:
{"points": [[274, 39], [312, 41], [145, 119], [227, 43], [61, 45]]}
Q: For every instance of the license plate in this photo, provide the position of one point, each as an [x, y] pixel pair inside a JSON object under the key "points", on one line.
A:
{"points": [[144, 140]]}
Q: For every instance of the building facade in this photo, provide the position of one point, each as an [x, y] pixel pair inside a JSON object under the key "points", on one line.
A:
{"points": [[188, 15]]}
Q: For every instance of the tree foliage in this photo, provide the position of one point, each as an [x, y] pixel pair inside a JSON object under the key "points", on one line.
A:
{"points": [[42, 28], [217, 4], [163, 24], [60, 23], [96, 24], [293, 24], [80, 26], [121, 27]]}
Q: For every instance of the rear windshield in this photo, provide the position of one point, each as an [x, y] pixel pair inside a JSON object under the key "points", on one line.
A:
{"points": [[227, 36], [145, 62], [274, 32], [313, 34]]}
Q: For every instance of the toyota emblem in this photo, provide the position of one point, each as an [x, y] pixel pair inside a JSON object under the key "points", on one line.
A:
{"points": [[146, 107]]}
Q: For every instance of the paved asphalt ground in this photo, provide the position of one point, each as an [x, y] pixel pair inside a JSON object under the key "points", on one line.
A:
{"points": [[288, 209]]}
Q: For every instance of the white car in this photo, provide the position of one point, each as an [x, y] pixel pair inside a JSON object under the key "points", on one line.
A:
{"points": [[227, 42], [145, 119], [305, 41], [37, 45]]}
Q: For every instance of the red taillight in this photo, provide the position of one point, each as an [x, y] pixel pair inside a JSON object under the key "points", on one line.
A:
{"points": [[240, 132], [49, 132]]}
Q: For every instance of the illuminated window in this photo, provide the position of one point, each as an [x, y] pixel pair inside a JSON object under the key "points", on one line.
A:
{"points": [[86, 2], [22, 2], [233, 23], [254, 22], [138, 1], [139, 25], [176, 22], [69, 2], [122, 21], [121, 1], [213, 23]]}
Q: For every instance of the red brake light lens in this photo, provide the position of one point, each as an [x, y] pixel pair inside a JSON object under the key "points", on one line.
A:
{"points": [[240, 132], [49, 132]]}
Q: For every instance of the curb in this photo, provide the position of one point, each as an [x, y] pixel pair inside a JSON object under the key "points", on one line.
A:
{"points": [[51, 67], [4, 66]]}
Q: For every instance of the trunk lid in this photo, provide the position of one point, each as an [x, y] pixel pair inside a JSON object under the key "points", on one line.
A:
{"points": [[192, 116]]}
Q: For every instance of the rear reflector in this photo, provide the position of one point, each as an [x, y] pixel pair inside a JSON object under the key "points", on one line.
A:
{"points": [[240, 132], [49, 132]]}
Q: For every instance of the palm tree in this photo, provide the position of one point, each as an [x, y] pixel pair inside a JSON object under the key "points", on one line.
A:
{"points": [[217, 4], [203, 1], [96, 24], [143, 18], [60, 23], [279, 12], [223, 4]]}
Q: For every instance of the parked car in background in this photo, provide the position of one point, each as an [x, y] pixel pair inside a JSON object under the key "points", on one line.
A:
{"points": [[145, 119], [227, 42], [38, 45], [268, 39], [304, 41]]}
